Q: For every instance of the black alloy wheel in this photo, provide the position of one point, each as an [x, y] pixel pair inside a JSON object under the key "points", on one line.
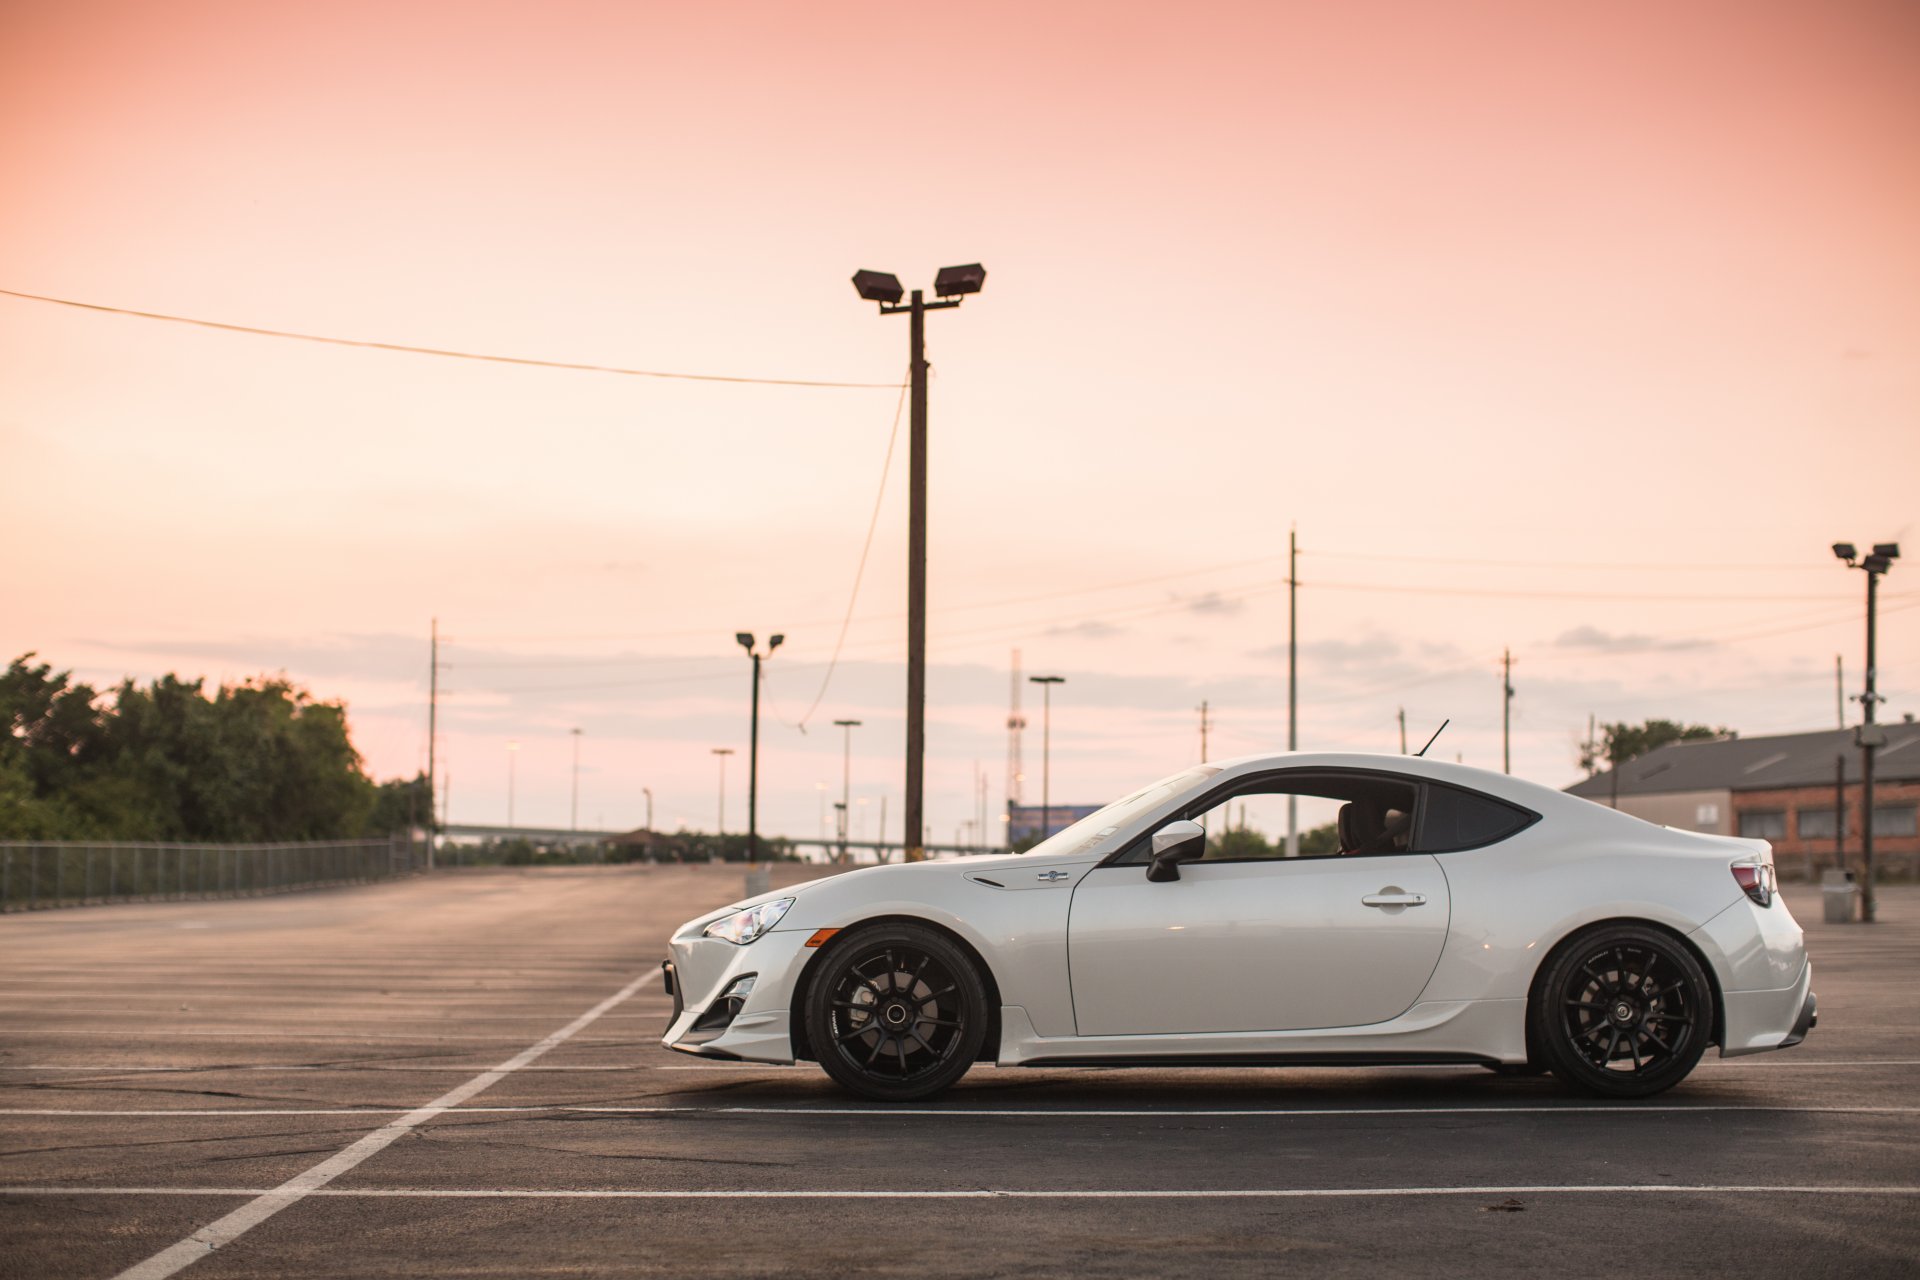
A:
{"points": [[895, 1013], [1623, 1011]]}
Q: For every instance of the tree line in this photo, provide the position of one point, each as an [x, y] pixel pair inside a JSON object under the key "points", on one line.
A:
{"points": [[262, 760]]}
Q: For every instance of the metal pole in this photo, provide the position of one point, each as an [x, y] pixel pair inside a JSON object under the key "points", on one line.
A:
{"points": [[1867, 749], [846, 780], [1403, 731], [720, 826], [433, 730], [916, 580], [576, 779], [753, 771], [1840, 813], [1046, 758], [1293, 681], [1839, 693], [1506, 711]]}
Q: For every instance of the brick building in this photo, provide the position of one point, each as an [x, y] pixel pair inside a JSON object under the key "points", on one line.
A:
{"points": [[1780, 789]]}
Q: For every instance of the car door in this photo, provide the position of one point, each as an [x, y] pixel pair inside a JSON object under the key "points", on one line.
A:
{"points": [[1258, 944], [1254, 946]]}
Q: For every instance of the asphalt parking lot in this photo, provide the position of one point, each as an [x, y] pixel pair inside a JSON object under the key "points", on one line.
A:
{"points": [[460, 1076]]}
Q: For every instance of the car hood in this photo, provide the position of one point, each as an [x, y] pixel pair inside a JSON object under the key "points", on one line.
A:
{"points": [[902, 874]]}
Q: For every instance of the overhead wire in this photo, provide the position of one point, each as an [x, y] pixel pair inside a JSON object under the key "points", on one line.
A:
{"points": [[446, 353]]}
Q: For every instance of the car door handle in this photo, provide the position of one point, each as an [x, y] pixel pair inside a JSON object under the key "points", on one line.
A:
{"points": [[1394, 899]]}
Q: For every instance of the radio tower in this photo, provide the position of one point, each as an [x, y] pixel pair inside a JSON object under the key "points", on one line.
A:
{"points": [[1015, 723]]}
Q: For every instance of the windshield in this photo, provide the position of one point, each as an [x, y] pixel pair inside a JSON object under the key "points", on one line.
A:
{"points": [[1100, 826]]}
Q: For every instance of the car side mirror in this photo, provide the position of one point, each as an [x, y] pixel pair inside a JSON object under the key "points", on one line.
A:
{"points": [[1173, 844]]}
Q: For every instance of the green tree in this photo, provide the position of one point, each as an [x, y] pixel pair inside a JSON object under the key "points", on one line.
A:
{"points": [[1620, 743]]}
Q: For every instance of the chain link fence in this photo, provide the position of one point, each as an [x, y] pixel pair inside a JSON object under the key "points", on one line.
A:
{"points": [[35, 875]]}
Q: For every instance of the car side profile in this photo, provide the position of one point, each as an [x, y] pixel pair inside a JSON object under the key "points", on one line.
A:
{"points": [[1442, 915]]}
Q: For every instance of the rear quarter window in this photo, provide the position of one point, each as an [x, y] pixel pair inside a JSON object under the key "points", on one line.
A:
{"points": [[1453, 819]]}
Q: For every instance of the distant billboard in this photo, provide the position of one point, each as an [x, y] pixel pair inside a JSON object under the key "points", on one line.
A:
{"points": [[1024, 820]]}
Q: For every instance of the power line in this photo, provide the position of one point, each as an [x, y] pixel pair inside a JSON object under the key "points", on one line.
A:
{"points": [[1655, 566], [860, 571], [442, 352]]}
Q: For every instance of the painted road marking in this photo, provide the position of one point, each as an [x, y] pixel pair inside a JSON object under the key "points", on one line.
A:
{"points": [[266, 1203], [970, 1193], [953, 1113], [719, 1067]]}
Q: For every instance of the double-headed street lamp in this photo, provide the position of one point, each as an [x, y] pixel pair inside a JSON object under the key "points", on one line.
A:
{"points": [[846, 780], [1870, 737], [1046, 684], [753, 748], [951, 284]]}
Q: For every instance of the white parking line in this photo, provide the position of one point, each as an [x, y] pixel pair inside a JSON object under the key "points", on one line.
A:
{"points": [[960, 1113], [269, 1202], [977, 1193], [717, 1067]]}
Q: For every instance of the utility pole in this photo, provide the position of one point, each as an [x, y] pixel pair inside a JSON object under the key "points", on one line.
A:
{"points": [[1839, 693], [1403, 731], [1506, 711], [952, 284], [846, 781], [1293, 682], [1203, 731], [1870, 737], [576, 778], [1046, 684], [433, 729], [1591, 761], [720, 826]]}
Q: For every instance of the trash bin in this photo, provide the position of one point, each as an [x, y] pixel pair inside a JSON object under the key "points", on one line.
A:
{"points": [[1838, 891]]}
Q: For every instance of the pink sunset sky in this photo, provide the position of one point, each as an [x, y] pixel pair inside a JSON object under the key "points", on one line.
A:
{"points": [[1580, 330]]}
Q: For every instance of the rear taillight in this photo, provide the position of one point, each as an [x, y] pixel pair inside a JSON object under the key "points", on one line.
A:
{"points": [[1756, 880]]}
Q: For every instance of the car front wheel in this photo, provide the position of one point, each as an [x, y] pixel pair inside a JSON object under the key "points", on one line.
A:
{"points": [[895, 1013], [1623, 1011]]}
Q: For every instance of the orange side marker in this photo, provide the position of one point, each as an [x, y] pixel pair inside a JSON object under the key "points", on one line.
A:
{"points": [[820, 937]]}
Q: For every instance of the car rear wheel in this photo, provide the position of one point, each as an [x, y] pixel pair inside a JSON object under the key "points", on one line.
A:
{"points": [[895, 1013], [1623, 1011]]}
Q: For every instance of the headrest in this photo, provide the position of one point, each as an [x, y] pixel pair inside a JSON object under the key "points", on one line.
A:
{"points": [[1359, 826]]}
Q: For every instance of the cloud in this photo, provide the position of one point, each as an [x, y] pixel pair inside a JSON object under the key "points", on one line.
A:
{"points": [[1594, 640], [1092, 629], [1212, 602]]}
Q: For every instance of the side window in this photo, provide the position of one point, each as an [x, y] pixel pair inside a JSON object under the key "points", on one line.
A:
{"points": [[1334, 814], [1455, 819]]}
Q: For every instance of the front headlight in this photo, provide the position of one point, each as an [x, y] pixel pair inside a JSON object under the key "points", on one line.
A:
{"points": [[743, 927]]}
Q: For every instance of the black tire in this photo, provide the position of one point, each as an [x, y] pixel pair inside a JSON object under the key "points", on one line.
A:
{"points": [[895, 1012], [1622, 1011]]}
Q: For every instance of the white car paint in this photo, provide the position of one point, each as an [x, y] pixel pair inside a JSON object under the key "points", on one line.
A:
{"points": [[1279, 959]]}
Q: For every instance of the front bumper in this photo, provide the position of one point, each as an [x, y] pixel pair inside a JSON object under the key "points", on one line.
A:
{"points": [[702, 970]]}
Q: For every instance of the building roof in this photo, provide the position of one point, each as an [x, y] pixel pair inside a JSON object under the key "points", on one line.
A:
{"points": [[1756, 764]]}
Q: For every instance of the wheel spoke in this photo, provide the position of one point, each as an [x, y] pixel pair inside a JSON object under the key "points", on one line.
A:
{"points": [[854, 1034], [915, 1033], [879, 1043], [1664, 1046], [935, 1022], [1586, 1004], [900, 1044], [1670, 1017], [1633, 1047], [1613, 1046], [1605, 986], [927, 1000]]}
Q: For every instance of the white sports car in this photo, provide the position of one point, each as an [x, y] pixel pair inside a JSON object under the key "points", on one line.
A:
{"points": [[1443, 915]]}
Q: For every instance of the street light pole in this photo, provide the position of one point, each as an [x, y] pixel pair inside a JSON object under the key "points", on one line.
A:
{"points": [[1870, 736], [576, 778], [1046, 684], [513, 752], [952, 284], [753, 747], [846, 779], [720, 827]]}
